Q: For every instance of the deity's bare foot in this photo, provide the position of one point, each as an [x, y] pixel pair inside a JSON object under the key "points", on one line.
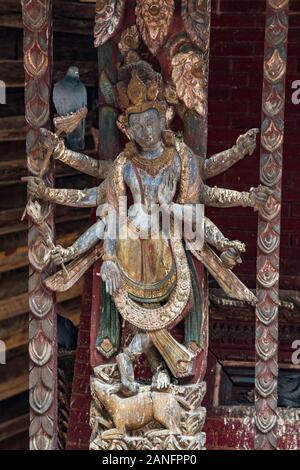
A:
{"points": [[161, 379], [129, 388]]}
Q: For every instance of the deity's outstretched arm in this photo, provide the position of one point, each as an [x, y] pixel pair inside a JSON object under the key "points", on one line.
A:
{"points": [[84, 243], [220, 162], [214, 236], [79, 161], [220, 197], [90, 197]]}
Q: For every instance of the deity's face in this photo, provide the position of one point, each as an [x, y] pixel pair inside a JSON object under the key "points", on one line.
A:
{"points": [[146, 128]]}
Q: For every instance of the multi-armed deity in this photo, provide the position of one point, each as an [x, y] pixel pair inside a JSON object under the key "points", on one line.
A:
{"points": [[149, 266]]}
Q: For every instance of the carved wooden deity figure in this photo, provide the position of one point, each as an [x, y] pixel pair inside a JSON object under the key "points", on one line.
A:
{"points": [[148, 264]]}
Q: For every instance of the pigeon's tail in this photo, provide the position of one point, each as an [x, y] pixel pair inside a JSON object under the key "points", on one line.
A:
{"points": [[75, 139]]}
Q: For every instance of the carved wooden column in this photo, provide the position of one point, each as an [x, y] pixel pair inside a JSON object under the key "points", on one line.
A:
{"points": [[174, 36], [37, 19], [273, 99], [197, 20]]}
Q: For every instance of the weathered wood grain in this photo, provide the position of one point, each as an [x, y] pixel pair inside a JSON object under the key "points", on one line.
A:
{"points": [[12, 72]]}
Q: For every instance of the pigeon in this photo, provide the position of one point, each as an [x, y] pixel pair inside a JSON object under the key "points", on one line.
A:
{"points": [[289, 390], [66, 333], [70, 95]]}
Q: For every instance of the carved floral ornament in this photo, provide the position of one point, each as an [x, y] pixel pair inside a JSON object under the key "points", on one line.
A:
{"points": [[196, 18], [35, 14], [153, 19], [130, 40], [109, 15], [189, 79]]}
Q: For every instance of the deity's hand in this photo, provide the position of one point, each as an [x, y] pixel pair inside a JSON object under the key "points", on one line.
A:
{"points": [[259, 196], [36, 187], [246, 143], [235, 244], [60, 255], [167, 189], [231, 257], [110, 274], [161, 380], [51, 141]]}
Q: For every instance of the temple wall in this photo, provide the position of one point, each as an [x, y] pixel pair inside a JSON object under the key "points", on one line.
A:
{"points": [[235, 87]]}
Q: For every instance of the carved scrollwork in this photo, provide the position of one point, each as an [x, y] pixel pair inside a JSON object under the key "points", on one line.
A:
{"points": [[188, 75], [270, 174], [37, 19], [153, 19], [196, 17], [36, 14], [270, 210], [268, 274], [269, 224], [272, 136], [272, 101], [268, 240], [267, 313], [109, 15], [41, 302], [40, 350], [40, 400], [275, 67], [38, 255], [276, 32]]}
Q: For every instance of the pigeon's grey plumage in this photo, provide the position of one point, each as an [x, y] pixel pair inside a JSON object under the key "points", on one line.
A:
{"points": [[289, 390], [69, 95], [66, 333]]}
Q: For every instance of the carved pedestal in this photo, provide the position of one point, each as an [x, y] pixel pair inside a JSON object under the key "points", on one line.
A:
{"points": [[152, 419]]}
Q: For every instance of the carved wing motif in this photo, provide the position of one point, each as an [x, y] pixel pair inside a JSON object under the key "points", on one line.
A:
{"points": [[188, 75], [196, 17], [109, 14], [153, 19]]}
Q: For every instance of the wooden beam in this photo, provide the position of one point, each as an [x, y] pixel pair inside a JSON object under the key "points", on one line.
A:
{"points": [[12, 219], [13, 169], [19, 257], [18, 305], [14, 380], [15, 332], [12, 72], [14, 427], [72, 17], [16, 385], [12, 128]]}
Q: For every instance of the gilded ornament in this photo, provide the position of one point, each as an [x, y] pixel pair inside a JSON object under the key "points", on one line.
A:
{"points": [[153, 18], [196, 17], [109, 14], [130, 40], [275, 67], [188, 75]]}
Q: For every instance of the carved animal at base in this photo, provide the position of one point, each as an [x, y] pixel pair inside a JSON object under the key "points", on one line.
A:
{"points": [[135, 412]]}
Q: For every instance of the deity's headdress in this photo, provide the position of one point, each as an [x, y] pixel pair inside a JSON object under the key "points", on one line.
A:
{"points": [[140, 87], [140, 95]]}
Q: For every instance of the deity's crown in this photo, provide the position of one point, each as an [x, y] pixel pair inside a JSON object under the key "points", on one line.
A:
{"points": [[139, 95]]}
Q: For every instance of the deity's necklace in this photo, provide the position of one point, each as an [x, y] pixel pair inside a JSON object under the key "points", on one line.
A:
{"points": [[154, 165]]}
